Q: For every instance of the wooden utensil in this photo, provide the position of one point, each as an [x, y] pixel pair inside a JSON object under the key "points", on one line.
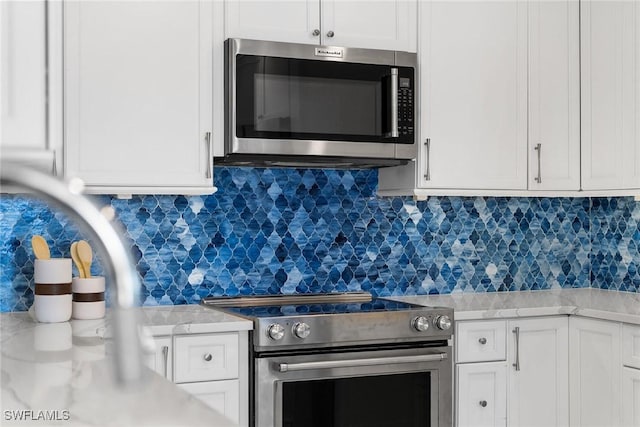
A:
{"points": [[76, 260], [85, 254], [40, 247]]}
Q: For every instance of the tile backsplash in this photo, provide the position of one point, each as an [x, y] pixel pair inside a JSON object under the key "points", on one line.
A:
{"points": [[283, 230]]}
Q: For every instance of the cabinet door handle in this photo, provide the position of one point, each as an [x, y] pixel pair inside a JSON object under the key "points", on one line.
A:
{"points": [[516, 331], [165, 357], [538, 148], [209, 159], [54, 168], [207, 357], [482, 340], [483, 403], [427, 145], [330, 34], [316, 32]]}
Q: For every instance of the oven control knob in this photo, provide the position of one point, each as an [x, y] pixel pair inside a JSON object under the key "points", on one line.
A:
{"points": [[442, 322], [275, 331], [301, 330], [421, 323]]}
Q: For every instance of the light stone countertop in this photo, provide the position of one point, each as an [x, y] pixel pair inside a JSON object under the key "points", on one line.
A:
{"points": [[190, 319], [68, 366], [595, 303]]}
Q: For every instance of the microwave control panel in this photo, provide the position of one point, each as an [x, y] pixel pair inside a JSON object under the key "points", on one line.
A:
{"points": [[405, 107]]}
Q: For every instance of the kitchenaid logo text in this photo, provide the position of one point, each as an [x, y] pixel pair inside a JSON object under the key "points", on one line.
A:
{"points": [[335, 53], [31, 415]]}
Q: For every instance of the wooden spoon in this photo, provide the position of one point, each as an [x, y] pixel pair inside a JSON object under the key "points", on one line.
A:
{"points": [[76, 260], [40, 247], [85, 254]]}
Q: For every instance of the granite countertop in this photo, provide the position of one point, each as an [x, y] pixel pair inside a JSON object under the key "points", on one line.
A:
{"points": [[67, 369], [594, 303]]}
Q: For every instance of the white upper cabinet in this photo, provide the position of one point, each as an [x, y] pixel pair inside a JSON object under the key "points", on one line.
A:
{"points": [[610, 40], [139, 95], [473, 96], [385, 24], [24, 81], [499, 102], [292, 21], [554, 95]]}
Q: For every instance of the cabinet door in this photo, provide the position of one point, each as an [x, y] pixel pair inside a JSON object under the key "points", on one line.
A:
{"points": [[538, 372], [161, 360], [473, 62], [610, 44], [554, 95], [631, 346], [138, 92], [384, 24], [23, 83], [595, 372], [482, 394], [292, 21], [223, 396], [631, 397]]}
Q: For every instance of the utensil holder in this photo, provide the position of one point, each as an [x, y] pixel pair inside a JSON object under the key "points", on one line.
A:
{"points": [[52, 299], [88, 297]]}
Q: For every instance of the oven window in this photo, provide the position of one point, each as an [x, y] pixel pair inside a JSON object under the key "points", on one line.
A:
{"points": [[400, 400], [296, 99]]}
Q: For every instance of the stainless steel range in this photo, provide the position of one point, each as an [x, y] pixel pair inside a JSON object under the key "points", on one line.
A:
{"points": [[322, 360]]}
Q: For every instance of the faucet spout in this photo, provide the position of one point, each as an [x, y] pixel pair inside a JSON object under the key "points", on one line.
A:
{"points": [[118, 265]]}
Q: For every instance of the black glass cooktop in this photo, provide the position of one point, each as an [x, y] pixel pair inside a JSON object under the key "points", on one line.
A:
{"points": [[375, 305]]}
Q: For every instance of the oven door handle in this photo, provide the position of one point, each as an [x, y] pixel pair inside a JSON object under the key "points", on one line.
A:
{"points": [[350, 363]]}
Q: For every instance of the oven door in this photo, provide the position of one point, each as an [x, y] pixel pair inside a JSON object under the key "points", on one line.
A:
{"points": [[370, 388], [286, 100]]}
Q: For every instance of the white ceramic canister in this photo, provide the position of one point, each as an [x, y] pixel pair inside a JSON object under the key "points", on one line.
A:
{"points": [[52, 299], [88, 297]]}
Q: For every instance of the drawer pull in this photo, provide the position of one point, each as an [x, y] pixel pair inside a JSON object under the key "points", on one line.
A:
{"points": [[483, 403], [207, 357], [482, 340]]}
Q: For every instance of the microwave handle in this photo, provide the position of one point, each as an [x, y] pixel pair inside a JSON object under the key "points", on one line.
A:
{"points": [[394, 103]]}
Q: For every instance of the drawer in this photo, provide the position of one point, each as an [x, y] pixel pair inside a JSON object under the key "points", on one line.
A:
{"points": [[481, 341], [631, 346], [481, 394], [205, 357], [223, 396]]}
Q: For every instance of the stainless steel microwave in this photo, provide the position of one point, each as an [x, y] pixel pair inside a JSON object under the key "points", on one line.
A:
{"points": [[303, 105]]}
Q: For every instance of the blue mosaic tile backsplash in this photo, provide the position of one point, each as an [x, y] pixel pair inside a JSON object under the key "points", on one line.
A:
{"points": [[290, 231]]}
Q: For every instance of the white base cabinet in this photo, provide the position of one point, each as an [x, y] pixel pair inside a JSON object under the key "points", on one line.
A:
{"points": [[482, 394], [595, 372], [522, 377], [161, 360], [211, 367], [223, 396], [631, 397]]}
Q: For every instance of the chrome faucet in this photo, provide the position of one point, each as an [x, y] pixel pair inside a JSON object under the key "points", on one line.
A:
{"points": [[118, 265]]}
